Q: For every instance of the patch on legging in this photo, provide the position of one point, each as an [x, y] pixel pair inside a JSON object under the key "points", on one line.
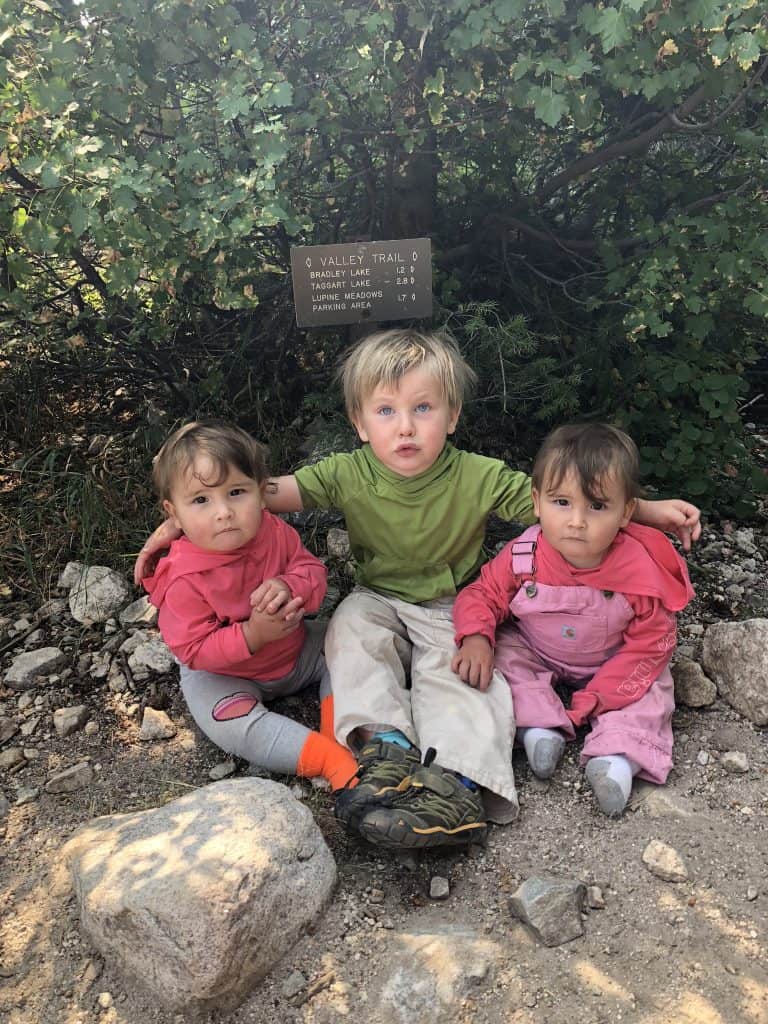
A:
{"points": [[236, 705]]}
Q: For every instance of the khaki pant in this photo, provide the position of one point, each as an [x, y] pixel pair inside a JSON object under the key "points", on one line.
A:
{"points": [[374, 645]]}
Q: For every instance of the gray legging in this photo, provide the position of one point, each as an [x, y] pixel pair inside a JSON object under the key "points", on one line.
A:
{"points": [[231, 712]]}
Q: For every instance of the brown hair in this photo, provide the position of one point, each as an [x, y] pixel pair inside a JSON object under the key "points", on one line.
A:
{"points": [[594, 452], [225, 444], [385, 357]]}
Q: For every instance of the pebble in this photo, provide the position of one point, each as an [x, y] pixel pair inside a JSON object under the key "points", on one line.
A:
{"points": [[222, 770], [105, 1000], [595, 898], [439, 888], [664, 862], [751, 893], [702, 758], [735, 762], [293, 984]]}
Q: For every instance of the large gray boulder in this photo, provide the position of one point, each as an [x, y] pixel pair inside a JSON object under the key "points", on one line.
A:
{"points": [[196, 901], [28, 668], [736, 657], [97, 594]]}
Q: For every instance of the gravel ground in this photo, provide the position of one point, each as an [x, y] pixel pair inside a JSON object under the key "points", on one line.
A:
{"points": [[651, 951]]}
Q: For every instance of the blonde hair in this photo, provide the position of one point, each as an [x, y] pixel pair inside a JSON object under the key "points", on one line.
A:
{"points": [[593, 452], [225, 445], [383, 358]]}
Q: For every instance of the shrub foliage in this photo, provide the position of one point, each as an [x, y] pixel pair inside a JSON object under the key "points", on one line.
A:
{"points": [[592, 176]]}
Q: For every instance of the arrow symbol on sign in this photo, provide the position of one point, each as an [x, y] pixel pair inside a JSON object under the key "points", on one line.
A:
{"points": [[308, 262]]}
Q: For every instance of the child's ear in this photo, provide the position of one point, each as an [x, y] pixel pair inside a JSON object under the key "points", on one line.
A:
{"points": [[535, 498], [170, 511], [361, 432], [455, 413], [629, 511]]}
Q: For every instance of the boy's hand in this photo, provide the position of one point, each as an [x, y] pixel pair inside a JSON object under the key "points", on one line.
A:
{"points": [[157, 542], [262, 628], [672, 515], [473, 663], [271, 595]]}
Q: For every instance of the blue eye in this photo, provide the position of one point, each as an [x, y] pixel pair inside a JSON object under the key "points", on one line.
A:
{"points": [[423, 407], [386, 410]]}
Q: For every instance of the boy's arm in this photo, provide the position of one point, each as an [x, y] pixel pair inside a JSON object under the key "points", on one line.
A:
{"points": [[282, 494], [158, 541], [647, 647], [672, 515]]}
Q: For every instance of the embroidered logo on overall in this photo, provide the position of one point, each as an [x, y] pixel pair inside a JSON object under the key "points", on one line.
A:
{"points": [[569, 632]]}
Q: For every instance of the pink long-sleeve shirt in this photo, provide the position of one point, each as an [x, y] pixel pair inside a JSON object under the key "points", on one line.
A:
{"points": [[641, 564], [202, 599]]}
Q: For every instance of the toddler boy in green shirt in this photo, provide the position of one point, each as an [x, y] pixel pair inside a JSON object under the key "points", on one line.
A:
{"points": [[416, 510]]}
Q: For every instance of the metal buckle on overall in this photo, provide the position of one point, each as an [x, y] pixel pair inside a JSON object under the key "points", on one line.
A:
{"points": [[527, 550]]}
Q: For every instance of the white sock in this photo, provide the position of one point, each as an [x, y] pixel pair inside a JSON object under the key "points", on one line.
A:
{"points": [[543, 748], [611, 777]]}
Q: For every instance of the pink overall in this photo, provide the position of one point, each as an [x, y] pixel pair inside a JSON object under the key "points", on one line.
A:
{"points": [[564, 634]]}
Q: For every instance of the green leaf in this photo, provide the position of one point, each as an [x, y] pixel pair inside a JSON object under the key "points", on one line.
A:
{"points": [[612, 29], [234, 105], [550, 106]]}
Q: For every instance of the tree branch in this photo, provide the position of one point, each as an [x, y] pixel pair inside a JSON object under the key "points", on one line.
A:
{"points": [[616, 150]]}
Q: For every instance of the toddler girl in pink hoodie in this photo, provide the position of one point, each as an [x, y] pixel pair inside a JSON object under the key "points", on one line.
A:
{"points": [[231, 594], [586, 599]]}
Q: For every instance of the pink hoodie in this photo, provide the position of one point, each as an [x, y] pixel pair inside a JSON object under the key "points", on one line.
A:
{"points": [[641, 564], [203, 599]]}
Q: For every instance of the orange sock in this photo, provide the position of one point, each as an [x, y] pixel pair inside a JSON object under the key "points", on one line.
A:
{"points": [[326, 717], [321, 756]]}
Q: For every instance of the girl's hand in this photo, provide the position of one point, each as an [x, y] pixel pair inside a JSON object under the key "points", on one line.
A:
{"points": [[262, 628], [156, 543], [473, 663], [271, 595], [672, 515]]}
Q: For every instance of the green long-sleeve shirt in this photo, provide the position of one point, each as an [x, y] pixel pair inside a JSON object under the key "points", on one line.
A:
{"points": [[417, 538]]}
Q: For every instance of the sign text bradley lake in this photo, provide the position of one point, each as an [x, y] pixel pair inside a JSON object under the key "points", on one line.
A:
{"points": [[359, 281]]}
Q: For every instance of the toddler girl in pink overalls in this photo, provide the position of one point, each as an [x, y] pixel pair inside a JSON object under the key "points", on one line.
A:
{"points": [[588, 599]]}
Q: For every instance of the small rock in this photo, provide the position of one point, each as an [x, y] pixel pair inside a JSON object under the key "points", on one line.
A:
{"points": [[8, 728], [98, 594], [156, 725], [595, 898], [551, 908], [221, 770], [70, 575], [5, 807], [71, 779], [69, 720], [293, 984], [139, 612], [702, 758], [26, 795], [751, 893], [10, 757], [337, 543], [735, 762], [439, 888], [692, 687], [104, 1000], [91, 728], [151, 655], [27, 667], [664, 862]]}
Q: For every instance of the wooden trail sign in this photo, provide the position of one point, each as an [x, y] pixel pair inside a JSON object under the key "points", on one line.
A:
{"points": [[356, 282]]}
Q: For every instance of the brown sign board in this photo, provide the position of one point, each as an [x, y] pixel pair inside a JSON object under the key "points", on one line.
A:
{"points": [[357, 282]]}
